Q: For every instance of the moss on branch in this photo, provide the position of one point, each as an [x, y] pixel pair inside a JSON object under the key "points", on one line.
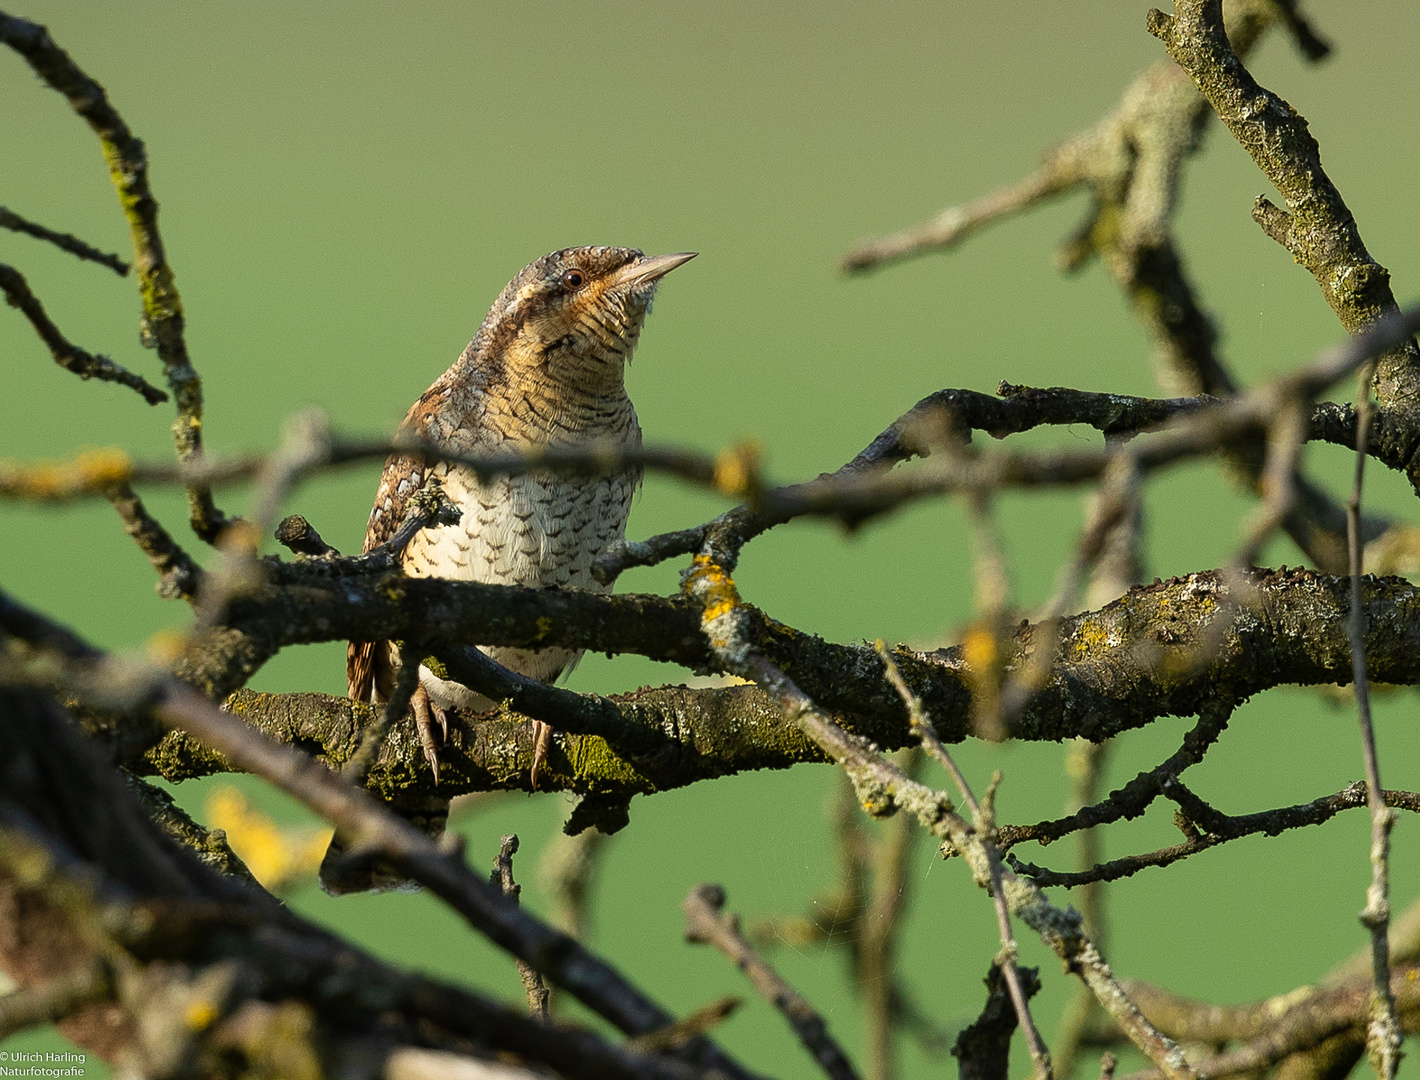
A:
{"points": [[1165, 649]]}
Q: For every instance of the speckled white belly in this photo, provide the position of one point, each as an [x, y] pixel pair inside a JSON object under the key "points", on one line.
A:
{"points": [[536, 530]]}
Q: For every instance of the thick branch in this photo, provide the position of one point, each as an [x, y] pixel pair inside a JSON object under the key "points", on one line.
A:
{"points": [[1163, 649], [1318, 228], [369, 829]]}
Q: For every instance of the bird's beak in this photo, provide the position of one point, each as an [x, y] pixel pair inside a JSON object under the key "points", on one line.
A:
{"points": [[653, 268]]}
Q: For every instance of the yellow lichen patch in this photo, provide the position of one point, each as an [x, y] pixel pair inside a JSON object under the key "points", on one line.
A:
{"points": [[278, 858], [166, 647], [240, 538], [708, 583], [91, 472], [737, 470], [980, 650], [544, 627], [199, 1014], [1092, 638]]}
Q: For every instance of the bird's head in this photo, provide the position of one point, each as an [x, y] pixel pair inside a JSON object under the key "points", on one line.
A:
{"points": [[574, 314]]}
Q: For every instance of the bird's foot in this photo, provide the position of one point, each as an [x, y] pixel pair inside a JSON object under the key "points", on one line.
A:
{"points": [[425, 714], [542, 739]]}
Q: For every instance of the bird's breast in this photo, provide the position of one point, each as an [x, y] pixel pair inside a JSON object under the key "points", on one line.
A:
{"points": [[538, 530]]}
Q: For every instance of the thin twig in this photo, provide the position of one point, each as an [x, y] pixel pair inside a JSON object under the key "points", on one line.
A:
{"points": [[707, 924], [179, 576], [66, 354], [502, 878], [1383, 1034], [162, 307], [1286, 437], [1221, 828], [701, 1022], [568, 874], [853, 494], [985, 831], [1134, 797], [1293, 1026], [65, 241], [876, 972]]}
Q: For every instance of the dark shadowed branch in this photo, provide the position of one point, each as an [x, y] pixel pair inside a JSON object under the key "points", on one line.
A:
{"points": [[64, 241], [66, 354]]}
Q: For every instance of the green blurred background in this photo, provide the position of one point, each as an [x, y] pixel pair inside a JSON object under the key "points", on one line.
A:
{"points": [[346, 187]]}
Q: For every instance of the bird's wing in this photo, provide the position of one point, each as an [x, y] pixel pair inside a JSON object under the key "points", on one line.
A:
{"points": [[403, 476], [368, 662], [457, 393]]}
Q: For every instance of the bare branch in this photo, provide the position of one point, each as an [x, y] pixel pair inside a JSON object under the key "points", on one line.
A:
{"points": [[1383, 1035], [1132, 162], [1318, 229], [162, 307], [1305, 1024], [882, 788], [1060, 173], [178, 574], [368, 828], [985, 830], [706, 924], [1220, 828], [66, 354], [64, 241], [984, 1047], [503, 878], [55, 999], [1133, 798]]}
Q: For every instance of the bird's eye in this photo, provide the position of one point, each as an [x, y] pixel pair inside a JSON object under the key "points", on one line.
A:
{"points": [[574, 279]]}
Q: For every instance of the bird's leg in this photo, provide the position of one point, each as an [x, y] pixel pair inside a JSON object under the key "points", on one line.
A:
{"points": [[425, 713], [542, 739]]}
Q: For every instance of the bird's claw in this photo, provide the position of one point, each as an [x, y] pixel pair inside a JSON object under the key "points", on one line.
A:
{"points": [[542, 739], [425, 713]]}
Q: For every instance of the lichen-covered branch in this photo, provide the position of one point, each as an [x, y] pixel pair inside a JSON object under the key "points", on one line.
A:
{"points": [[162, 307], [178, 574], [1290, 1027], [1132, 163], [677, 737], [502, 878], [1317, 228], [1164, 649], [882, 789], [1133, 798], [157, 960]]}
